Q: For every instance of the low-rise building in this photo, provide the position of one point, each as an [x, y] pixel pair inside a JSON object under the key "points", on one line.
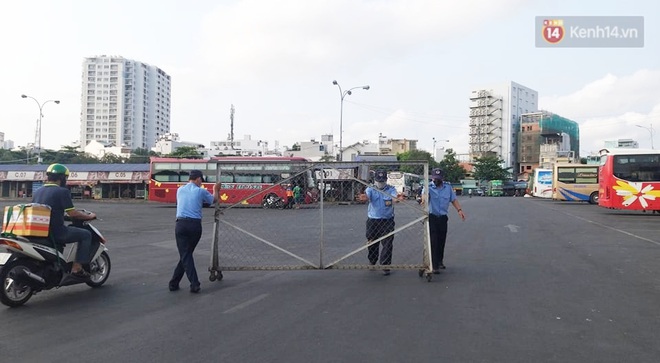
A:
{"points": [[86, 181]]}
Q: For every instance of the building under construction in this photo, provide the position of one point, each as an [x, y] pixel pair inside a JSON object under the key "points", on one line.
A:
{"points": [[545, 138]]}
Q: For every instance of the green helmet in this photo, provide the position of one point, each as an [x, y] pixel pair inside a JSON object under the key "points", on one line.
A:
{"points": [[57, 169]]}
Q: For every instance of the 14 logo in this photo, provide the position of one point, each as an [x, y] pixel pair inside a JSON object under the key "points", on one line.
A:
{"points": [[553, 30]]}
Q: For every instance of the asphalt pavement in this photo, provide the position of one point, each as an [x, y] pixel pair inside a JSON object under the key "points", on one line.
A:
{"points": [[527, 280]]}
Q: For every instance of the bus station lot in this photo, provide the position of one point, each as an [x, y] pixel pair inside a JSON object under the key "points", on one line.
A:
{"points": [[527, 280]]}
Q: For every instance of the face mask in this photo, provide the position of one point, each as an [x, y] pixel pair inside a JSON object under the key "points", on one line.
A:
{"points": [[380, 185]]}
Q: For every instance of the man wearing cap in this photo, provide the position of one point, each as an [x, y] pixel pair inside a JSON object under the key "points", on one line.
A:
{"points": [[190, 199], [380, 218], [440, 195]]}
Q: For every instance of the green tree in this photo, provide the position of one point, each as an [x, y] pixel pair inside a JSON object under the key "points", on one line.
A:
{"points": [[112, 159], [295, 147], [454, 172], [15, 157], [416, 155], [67, 155], [490, 168], [188, 152], [141, 156]]}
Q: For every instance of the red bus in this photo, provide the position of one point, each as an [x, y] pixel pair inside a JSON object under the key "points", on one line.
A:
{"points": [[629, 179], [245, 180]]}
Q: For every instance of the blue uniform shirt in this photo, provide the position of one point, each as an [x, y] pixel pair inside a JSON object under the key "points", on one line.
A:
{"points": [[190, 199], [381, 206], [440, 197]]}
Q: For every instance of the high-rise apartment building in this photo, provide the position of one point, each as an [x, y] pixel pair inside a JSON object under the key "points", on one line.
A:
{"points": [[124, 102], [495, 119]]}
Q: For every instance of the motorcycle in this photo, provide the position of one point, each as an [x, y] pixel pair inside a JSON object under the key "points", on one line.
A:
{"points": [[273, 201], [29, 265]]}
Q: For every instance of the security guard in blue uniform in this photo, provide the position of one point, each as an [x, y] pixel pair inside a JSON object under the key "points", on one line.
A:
{"points": [[380, 218], [440, 195], [190, 199]]}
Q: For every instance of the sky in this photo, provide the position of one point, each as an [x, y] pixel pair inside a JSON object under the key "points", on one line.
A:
{"points": [[275, 61]]}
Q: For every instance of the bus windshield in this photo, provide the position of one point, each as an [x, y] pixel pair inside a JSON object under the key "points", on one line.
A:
{"points": [[406, 184], [637, 168]]}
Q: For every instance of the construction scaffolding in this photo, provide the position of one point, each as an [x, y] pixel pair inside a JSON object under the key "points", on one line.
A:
{"points": [[485, 124], [545, 128]]}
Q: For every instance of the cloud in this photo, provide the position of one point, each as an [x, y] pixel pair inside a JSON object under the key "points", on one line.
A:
{"points": [[609, 108], [610, 95], [256, 40]]}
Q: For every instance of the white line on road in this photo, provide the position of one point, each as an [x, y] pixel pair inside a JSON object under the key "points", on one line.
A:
{"points": [[608, 227], [616, 229], [245, 304]]}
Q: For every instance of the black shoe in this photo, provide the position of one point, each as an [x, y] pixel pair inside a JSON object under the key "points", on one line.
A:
{"points": [[436, 272], [386, 272], [442, 267], [195, 289], [82, 275], [174, 287]]}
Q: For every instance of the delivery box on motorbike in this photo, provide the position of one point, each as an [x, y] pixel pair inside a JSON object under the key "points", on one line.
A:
{"points": [[30, 220]]}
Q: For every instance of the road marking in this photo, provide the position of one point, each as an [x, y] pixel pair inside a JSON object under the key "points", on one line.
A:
{"points": [[608, 227], [512, 228], [246, 304], [616, 229]]}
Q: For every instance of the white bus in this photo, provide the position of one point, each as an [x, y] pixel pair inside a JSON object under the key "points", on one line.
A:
{"points": [[542, 183], [406, 184]]}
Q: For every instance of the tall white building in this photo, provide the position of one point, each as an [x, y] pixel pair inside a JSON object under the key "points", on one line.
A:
{"points": [[495, 119], [124, 102]]}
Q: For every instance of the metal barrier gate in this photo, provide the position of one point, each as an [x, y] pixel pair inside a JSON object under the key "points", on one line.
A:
{"points": [[327, 228]]}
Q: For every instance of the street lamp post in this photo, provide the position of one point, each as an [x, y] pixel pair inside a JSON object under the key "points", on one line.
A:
{"points": [[41, 115], [650, 130], [343, 94]]}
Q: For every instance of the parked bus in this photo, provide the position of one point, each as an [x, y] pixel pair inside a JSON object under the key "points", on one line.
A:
{"points": [[629, 179], [406, 184], [576, 182], [244, 179], [495, 188], [542, 183]]}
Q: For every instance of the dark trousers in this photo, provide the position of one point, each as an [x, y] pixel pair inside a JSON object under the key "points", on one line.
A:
{"points": [[438, 230], [377, 228], [84, 246], [187, 233]]}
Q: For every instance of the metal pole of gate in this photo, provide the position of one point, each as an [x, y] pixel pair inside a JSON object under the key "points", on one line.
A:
{"points": [[213, 269], [425, 198], [321, 198]]}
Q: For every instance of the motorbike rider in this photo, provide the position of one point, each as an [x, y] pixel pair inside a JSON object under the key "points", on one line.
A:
{"points": [[55, 194]]}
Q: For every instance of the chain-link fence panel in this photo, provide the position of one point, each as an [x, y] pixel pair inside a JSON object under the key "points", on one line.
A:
{"points": [[322, 216]]}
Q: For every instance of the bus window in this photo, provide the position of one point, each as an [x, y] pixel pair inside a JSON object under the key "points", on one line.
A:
{"points": [[166, 176], [166, 166], [191, 166], [227, 177], [247, 178]]}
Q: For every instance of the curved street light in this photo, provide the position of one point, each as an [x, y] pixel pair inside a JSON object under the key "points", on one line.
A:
{"points": [[41, 114], [650, 130], [343, 94]]}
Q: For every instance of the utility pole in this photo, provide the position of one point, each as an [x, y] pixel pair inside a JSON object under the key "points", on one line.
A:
{"points": [[231, 130]]}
